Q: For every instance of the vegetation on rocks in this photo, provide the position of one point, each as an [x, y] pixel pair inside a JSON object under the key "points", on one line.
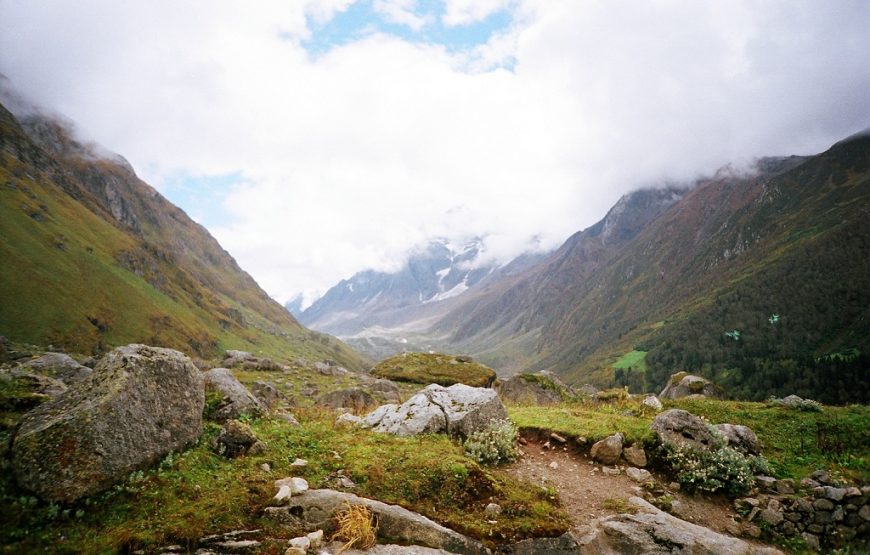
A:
{"points": [[426, 368]]}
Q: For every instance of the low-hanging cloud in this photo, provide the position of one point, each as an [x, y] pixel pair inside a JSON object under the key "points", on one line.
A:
{"points": [[351, 157]]}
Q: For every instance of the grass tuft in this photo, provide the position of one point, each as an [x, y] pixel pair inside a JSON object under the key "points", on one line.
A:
{"points": [[357, 527]]}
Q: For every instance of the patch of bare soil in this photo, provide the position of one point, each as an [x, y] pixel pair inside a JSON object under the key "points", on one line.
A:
{"points": [[587, 493]]}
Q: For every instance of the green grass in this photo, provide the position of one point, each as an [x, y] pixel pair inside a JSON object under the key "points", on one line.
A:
{"points": [[635, 360], [196, 493], [795, 443], [426, 368]]}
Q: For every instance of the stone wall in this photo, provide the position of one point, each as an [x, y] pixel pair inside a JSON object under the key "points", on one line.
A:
{"points": [[823, 515]]}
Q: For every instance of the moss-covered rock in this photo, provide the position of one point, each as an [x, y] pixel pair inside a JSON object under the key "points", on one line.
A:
{"points": [[139, 404], [427, 368]]}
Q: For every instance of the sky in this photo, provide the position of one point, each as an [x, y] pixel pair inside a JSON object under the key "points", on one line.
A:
{"points": [[316, 139]]}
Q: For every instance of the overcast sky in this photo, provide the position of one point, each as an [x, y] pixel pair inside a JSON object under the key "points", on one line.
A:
{"points": [[318, 139]]}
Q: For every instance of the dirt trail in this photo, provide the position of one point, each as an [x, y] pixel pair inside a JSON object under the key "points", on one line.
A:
{"points": [[585, 491]]}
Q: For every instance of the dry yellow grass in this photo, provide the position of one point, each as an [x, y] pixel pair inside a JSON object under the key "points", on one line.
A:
{"points": [[357, 527]]}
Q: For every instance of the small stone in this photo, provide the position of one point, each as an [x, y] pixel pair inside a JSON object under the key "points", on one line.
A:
{"points": [[610, 470], [556, 437], [767, 483], [816, 528], [835, 494], [824, 517], [838, 514], [864, 512], [821, 476], [788, 529], [492, 510], [752, 530], [283, 494], [771, 517], [651, 401], [294, 551], [346, 483], [301, 542], [349, 420], [811, 540], [608, 450], [853, 492], [295, 484], [823, 504], [299, 463], [265, 467], [793, 517], [635, 455], [554, 465], [315, 539], [809, 483], [785, 487], [803, 505], [639, 475]]}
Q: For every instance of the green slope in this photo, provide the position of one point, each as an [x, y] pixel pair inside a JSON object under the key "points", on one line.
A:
{"points": [[92, 258]]}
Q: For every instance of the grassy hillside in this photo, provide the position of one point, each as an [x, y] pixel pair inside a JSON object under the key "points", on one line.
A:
{"points": [[93, 258]]}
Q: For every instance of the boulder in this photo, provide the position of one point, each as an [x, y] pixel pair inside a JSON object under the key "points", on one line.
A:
{"points": [[608, 450], [139, 404], [237, 400], [385, 390], [415, 416], [268, 394], [540, 388], [234, 358], [635, 455], [467, 409], [741, 438], [458, 410], [315, 509], [59, 366], [354, 399], [234, 440], [652, 531], [683, 384], [677, 427], [639, 475]]}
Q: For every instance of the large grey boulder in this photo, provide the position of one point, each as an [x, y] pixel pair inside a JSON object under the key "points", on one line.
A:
{"points": [[60, 366], [237, 400], [682, 384], [315, 509], [139, 404], [680, 428], [458, 410], [654, 532], [741, 438], [539, 388]]}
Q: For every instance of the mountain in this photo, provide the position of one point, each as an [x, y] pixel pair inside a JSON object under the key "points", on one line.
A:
{"points": [[382, 313], [93, 257], [667, 277]]}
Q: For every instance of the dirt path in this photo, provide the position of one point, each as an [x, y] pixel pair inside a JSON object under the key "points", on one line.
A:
{"points": [[587, 493]]}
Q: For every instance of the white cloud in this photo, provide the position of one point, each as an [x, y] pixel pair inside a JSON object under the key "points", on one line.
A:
{"points": [[400, 12], [352, 157], [464, 12]]}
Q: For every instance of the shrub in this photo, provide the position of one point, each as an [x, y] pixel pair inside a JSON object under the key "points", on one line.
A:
{"points": [[724, 468], [494, 445]]}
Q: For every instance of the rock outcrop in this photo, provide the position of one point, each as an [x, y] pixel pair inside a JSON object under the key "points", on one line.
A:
{"points": [[139, 404], [683, 384], [458, 410], [652, 531], [314, 509], [741, 438], [237, 400]]}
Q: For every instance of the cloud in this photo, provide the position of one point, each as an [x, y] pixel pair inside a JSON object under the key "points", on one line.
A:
{"points": [[346, 160], [465, 12], [400, 12]]}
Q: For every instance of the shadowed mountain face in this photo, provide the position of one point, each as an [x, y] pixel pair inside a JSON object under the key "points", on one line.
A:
{"points": [[780, 256], [94, 257]]}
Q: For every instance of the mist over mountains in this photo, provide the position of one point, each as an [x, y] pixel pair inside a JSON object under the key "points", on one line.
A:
{"points": [[665, 278]]}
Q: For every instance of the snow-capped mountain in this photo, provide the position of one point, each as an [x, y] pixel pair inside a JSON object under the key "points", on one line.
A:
{"points": [[438, 272]]}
